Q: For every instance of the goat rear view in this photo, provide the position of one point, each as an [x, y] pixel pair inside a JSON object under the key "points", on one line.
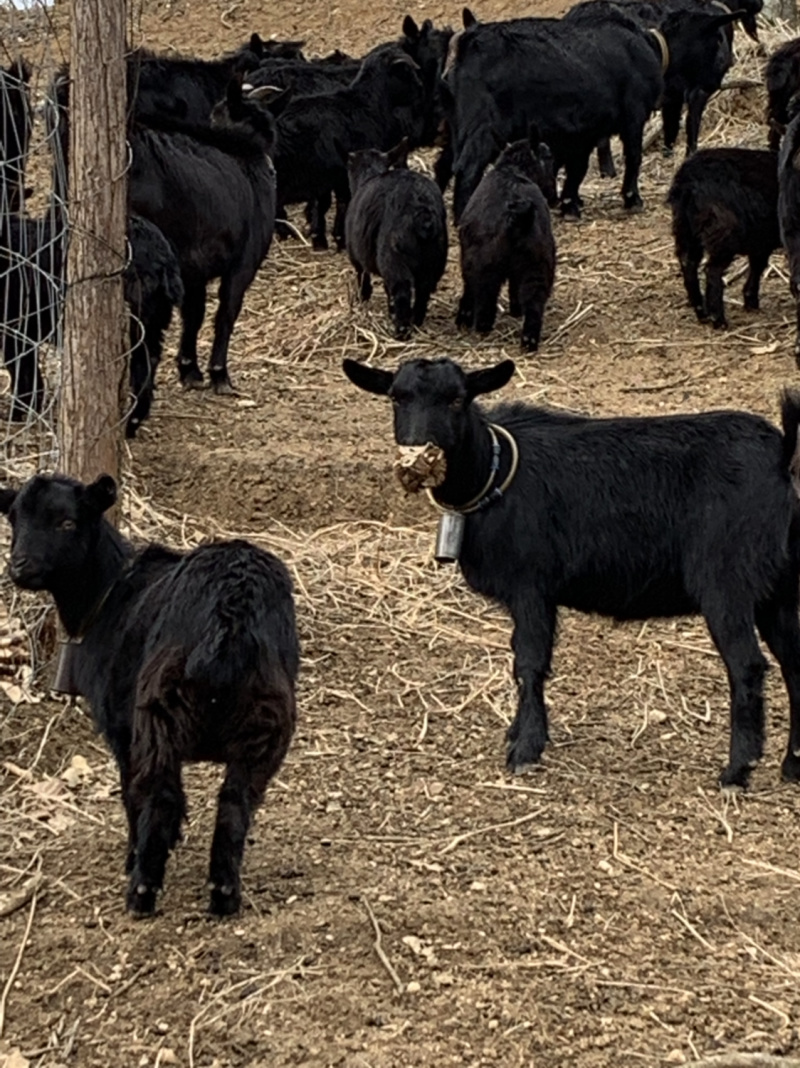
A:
{"points": [[397, 228], [182, 657], [631, 518], [725, 204], [506, 235]]}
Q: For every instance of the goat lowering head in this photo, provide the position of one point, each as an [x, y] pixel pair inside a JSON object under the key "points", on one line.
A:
{"points": [[432, 398], [55, 526]]}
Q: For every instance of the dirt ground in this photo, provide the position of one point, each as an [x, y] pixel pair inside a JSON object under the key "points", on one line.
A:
{"points": [[406, 902]]}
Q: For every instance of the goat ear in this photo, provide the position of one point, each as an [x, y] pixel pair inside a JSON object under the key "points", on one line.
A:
{"points": [[7, 498], [101, 494], [489, 379], [468, 18], [397, 156], [256, 44], [719, 21], [534, 137], [371, 379], [410, 28]]}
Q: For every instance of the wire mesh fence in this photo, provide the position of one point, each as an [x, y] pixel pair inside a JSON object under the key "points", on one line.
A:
{"points": [[33, 246]]}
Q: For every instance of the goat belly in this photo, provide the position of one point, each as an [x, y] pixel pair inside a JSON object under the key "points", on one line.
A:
{"points": [[618, 597]]}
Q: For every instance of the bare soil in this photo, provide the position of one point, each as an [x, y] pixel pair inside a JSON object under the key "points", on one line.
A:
{"points": [[407, 903]]}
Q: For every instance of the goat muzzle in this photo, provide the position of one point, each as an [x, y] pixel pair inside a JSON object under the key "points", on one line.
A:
{"points": [[420, 467]]}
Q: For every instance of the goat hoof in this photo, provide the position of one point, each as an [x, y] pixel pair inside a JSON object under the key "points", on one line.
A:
{"points": [[720, 324], [668, 151], [530, 344], [522, 755], [634, 205], [319, 244], [223, 388], [192, 378], [790, 768], [570, 211], [141, 899], [225, 900], [735, 778]]}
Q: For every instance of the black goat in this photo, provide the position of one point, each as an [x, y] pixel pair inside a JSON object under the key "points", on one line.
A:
{"points": [[182, 657], [630, 517], [184, 87], [384, 103], [725, 204], [782, 78], [397, 228], [505, 235], [16, 122], [211, 191], [152, 287], [789, 205], [32, 257], [579, 81], [699, 53]]}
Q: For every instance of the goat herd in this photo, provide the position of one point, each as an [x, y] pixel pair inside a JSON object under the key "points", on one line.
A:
{"points": [[194, 656]]}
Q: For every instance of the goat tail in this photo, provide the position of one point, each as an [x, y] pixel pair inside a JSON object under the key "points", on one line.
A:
{"points": [[790, 420]]}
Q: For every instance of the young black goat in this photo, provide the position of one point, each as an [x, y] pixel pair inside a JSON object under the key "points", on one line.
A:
{"points": [[630, 517], [152, 286], [505, 234], [724, 203], [182, 657], [789, 204], [384, 103], [396, 227]]}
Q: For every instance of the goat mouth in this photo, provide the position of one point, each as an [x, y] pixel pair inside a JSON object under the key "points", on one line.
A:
{"points": [[25, 579], [419, 467]]}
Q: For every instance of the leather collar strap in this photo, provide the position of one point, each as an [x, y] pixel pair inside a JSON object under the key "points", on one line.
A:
{"points": [[490, 492]]}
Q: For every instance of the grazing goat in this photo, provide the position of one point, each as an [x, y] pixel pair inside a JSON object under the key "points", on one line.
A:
{"points": [[396, 227], [724, 203], [211, 191], [789, 205], [505, 235], [629, 517], [181, 656]]}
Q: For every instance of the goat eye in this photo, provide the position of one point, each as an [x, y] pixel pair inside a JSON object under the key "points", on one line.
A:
{"points": [[66, 524], [457, 403]]}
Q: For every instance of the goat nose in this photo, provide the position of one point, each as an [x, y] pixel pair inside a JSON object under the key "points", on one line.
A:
{"points": [[17, 563]]}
